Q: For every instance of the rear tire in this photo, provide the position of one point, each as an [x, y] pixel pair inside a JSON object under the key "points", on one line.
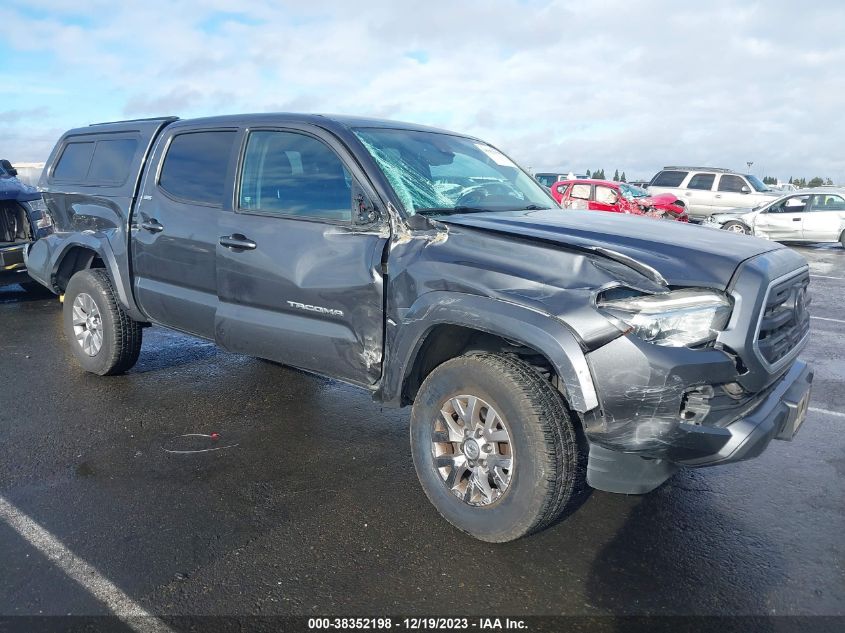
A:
{"points": [[842, 239], [104, 340], [530, 430], [736, 227]]}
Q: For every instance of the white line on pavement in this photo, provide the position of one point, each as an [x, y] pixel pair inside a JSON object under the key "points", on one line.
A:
{"points": [[826, 277], [827, 319], [126, 609], [836, 414]]}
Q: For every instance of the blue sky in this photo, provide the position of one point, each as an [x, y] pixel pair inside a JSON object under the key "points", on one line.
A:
{"points": [[558, 85]]}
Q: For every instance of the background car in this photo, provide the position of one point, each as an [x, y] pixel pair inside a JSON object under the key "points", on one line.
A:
{"points": [[811, 215], [617, 197], [709, 190], [23, 219]]}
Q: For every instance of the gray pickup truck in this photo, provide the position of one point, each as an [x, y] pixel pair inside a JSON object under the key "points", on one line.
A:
{"points": [[541, 349]]}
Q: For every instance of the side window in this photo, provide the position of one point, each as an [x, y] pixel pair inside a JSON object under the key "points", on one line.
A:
{"points": [[74, 161], [111, 161], [732, 184], [293, 174], [606, 195], [668, 179], [195, 166], [560, 188], [828, 202], [795, 204], [702, 181], [582, 192]]}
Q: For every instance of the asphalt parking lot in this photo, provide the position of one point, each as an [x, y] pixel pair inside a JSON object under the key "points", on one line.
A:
{"points": [[314, 507]]}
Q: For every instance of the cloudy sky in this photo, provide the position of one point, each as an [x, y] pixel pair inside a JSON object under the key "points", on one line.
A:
{"points": [[557, 85]]}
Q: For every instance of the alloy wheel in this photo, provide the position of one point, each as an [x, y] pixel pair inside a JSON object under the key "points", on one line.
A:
{"points": [[472, 450], [87, 324]]}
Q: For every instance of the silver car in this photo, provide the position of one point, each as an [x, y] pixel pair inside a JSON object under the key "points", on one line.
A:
{"points": [[808, 215]]}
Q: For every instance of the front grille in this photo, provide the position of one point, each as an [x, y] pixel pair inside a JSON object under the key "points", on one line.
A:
{"points": [[785, 320]]}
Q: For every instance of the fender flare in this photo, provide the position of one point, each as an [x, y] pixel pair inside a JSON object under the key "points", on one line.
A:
{"points": [[101, 245], [532, 328]]}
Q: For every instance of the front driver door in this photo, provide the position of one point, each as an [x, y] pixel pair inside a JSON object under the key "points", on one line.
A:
{"points": [[782, 221], [298, 275]]}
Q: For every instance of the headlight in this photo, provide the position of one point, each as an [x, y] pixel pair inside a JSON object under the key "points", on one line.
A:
{"points": [[679, 318], [45, 220]]}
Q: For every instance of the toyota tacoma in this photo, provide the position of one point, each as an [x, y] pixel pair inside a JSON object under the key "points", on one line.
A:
{"points": [[540, 349]]}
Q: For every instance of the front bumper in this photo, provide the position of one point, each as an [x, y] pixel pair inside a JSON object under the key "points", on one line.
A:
{"points": [[12, 269], [640, 435], [776, 415]]}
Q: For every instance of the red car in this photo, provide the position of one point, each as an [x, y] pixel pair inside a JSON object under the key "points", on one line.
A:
{"points": [[619, 197]]}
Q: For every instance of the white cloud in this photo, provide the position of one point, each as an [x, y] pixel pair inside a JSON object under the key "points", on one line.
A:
{"points": [[608, 84]]}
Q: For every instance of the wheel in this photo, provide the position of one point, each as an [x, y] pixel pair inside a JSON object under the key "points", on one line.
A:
{"points": [[736, 227], [494, 447], [842, 239], [103, 338]]}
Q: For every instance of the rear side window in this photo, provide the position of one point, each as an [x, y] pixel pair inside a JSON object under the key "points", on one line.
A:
{"points": [[731, 184], [702, 181], [111, 161], [668, 179], [74, 161], [195, 166]]}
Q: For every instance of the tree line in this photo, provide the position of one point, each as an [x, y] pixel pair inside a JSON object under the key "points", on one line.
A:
{"points": [[598, 174], [816, 181]]}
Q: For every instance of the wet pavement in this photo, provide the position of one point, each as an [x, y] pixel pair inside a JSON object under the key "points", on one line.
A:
{"points": [[312, 506]]}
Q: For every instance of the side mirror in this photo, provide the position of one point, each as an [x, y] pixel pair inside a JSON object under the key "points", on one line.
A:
{"points": [[363, 209], [745, 189], [7, 167]]}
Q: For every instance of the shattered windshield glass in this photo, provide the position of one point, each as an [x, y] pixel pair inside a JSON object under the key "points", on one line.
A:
{"points": [[435, 173], [631, 191]]}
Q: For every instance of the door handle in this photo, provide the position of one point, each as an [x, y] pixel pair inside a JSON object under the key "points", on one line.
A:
{"points": [[237, 242], [152, 225], [718, 195], [796, 219]]}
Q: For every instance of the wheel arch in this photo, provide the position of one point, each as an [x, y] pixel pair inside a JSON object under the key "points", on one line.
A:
{"points": [[82, 252], [443, 325]]}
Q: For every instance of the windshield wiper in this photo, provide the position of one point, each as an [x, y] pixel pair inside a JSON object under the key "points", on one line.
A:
{"points": [[534, 207]]}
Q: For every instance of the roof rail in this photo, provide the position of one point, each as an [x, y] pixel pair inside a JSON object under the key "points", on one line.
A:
{"points": [[720, 170], [152, 118]]}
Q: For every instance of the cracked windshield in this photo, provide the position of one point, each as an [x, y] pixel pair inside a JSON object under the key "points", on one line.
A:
{"points": [[436, 173]]}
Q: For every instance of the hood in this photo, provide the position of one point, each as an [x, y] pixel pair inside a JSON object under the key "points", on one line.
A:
{"points": [[680, 254], [663, 198], [13, 189]]}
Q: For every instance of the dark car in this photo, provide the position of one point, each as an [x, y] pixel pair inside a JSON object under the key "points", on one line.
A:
{"points": [[23, 218], [540, 350]]}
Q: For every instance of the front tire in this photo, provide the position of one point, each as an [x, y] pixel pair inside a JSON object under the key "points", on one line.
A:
{"points": [[736, 227], [494, 447], [104, 340]]}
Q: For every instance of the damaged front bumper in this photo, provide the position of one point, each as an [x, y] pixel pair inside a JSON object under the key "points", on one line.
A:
{"points": [[656, 415]]}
